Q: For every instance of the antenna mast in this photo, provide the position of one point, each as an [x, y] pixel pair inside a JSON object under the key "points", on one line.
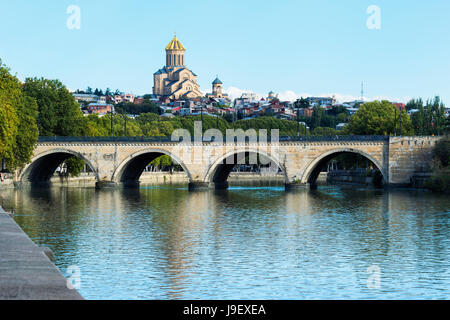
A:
{"points": [[362, 91]]}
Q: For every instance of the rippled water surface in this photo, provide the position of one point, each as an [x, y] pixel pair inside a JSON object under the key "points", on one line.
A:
{"points": [[164, 242]]}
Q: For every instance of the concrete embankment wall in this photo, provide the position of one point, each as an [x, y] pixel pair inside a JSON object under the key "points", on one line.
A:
{"points": [[88, 180], [181, 177], [251, 176], [6, 180], [26, 272], [349, 177]]}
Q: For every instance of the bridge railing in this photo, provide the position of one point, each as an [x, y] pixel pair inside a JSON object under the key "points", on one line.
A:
{"points": [[168, 139], [103, 139], [334, 138]]}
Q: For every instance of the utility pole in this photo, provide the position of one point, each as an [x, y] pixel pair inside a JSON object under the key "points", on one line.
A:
{"points": [[400, 122], [233, 106], [201, 116], [125, 124], [362, 91], [395, 121], [112, 134]]}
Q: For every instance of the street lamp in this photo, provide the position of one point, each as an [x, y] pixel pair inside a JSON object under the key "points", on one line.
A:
{"points": [[125, 123], [395, 121], [400, 122], [112, 112], [201, 116]]}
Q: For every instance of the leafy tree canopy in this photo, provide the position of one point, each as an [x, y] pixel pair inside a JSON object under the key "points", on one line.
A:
{"points": [[378, 118], [18, 130], [58, 112]]}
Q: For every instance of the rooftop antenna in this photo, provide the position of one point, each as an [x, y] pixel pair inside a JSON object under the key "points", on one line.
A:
{"points": [[362, 91]]}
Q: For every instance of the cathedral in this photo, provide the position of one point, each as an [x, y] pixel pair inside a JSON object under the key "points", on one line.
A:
{"points": [[175, 80]]}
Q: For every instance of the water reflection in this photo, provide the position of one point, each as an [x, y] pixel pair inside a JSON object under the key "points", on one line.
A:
{"points": [[164, 242]]}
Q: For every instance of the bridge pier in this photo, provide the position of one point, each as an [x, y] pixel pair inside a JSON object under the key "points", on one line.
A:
{"points": [[198, 185], [129, 184], [221, 185], [106, 185], [297, 186]]}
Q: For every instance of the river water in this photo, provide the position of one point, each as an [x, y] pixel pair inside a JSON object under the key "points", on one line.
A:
{"points": [[164, 242]]}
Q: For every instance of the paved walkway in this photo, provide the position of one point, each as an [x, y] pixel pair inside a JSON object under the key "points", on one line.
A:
{"points": [[25, 270]]}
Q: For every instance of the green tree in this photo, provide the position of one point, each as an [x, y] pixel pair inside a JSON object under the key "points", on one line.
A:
{"points": [[165, 161], [436, 117], [440, 180], [96, 126], [147, 117], [325, 131], [447, 125], [418, 120], [74, 166], [59, 113], [18, 130], [10, 97], [285, 127], [131, 108], [378, 118], [429, 119], [132, 126], [414, 104], [27, 133], [442, 151], [316, 118], [301, 104]]}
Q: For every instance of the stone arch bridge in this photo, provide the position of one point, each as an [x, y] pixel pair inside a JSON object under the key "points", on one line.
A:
{"points": [[121, 161]]}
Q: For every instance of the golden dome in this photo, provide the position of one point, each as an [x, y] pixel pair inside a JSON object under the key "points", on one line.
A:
{"points": [[175, 44]]}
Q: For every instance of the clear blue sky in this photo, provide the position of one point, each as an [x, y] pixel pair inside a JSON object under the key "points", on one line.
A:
{"points": [[314, 47]]}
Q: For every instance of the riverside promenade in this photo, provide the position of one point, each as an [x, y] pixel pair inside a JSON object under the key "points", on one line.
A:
{"points": [[26, 272]]}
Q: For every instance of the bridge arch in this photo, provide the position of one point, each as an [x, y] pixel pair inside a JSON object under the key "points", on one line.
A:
{"points": [[219, 171], [313, 169], [129, 170], [42, 166]]}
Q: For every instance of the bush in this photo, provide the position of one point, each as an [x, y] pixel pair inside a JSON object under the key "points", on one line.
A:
{"points": [[74, 166], [442, 151], [440, 180], [439, 183], [325, 131]]}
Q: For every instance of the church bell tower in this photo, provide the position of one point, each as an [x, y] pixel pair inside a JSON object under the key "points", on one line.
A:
{"points": [[217, 88], [175, 53]]}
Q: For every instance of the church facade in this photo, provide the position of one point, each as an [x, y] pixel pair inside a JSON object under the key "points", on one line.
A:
{"points": [[175, 80]]}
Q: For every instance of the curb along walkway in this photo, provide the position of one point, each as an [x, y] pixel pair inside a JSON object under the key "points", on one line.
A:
{"points": [[26, 273]]}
